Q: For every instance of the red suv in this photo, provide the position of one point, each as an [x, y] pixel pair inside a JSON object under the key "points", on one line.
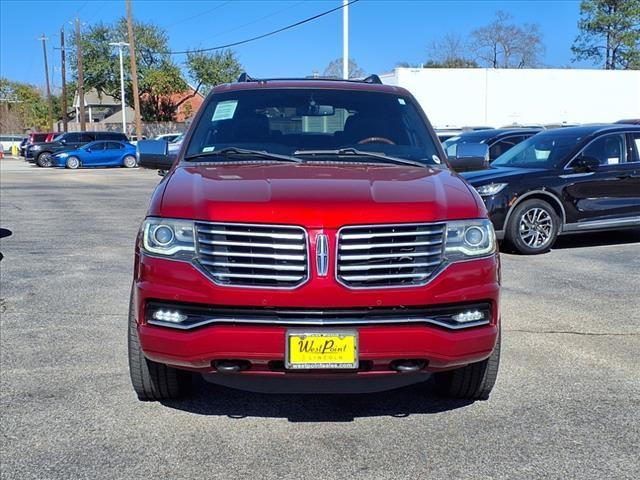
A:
{"points": [[312, 228]]}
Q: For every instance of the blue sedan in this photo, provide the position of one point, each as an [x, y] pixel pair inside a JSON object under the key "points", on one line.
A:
{"points": [[97, 154]]}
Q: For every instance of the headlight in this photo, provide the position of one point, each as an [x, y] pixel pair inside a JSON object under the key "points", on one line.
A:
{"points": [[36, 147], [490, 189], [469, 238], [171, 238], [62, 154]]}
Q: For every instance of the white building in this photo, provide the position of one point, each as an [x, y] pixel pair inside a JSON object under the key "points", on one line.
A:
{"points": [[499, 97]]}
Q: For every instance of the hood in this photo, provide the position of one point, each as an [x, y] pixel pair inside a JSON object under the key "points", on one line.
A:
{"points": [[495, 174], [315, 195], [46, 144]]}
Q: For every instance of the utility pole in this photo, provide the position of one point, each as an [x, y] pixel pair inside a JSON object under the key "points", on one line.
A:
{"points": [[83, 125], [46, 74], [122, 98], [134, 72], [345, 39], [63, 60]]}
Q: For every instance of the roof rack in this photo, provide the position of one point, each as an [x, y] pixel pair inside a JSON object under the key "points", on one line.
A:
{"points": [[373, 79]]}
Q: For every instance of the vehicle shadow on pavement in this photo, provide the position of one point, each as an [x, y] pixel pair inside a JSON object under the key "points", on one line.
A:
{"points": [[209, 399], [598, 239]]}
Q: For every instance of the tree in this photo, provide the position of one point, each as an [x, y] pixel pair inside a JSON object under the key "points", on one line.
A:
{"points": [[449, 52], [27, 108], [158, 76], [502, 44], [609, 32], [211, 69], [334, 69]]}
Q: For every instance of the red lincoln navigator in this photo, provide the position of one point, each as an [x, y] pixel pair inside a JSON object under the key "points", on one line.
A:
{"points": [[312, 228]]}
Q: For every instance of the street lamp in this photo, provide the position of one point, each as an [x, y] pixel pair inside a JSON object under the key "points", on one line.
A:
{"points": [[120, 45]]}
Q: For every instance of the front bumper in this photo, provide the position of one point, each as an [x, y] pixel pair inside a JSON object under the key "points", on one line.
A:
{"points": [[264, 345]]}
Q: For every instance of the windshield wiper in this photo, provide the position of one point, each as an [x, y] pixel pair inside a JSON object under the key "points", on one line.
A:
{"points": [[229, 151], [361, 153]]}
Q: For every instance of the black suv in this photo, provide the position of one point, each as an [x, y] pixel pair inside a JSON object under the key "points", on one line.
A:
{"points": [[575, 179], [40, 153], [499, 140]]}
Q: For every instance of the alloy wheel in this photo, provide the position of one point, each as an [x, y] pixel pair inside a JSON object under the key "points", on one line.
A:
{"points": [[536, 227]]}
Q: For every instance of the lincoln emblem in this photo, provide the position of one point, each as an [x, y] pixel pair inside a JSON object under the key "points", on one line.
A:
{"points": [[322, 254]]}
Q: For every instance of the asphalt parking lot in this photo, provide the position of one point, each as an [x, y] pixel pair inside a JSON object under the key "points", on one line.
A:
{"points": [[566, 404]]}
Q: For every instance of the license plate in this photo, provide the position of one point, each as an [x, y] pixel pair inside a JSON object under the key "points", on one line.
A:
{"points": [[330, 349]]}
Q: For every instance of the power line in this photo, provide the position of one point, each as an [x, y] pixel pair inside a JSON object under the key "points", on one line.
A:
{"points": [[199, 14], [264, 35]]}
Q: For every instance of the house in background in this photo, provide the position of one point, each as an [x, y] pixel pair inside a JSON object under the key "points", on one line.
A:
{"points": [[104, 112]]}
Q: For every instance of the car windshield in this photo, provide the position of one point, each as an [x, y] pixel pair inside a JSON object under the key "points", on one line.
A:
{"points": [[544, 150], [57, 138], [451, 144], [313, 122]]}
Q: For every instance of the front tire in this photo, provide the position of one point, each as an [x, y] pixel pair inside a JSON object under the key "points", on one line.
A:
{"points": [[473, 382], [151, 380], [533, 227], [44, 159], [73, 163], [129, 161]]}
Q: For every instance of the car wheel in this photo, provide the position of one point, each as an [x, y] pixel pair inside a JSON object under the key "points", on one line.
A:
{"points": [[73, 163], [130, 161], [44, 159], [151, 380], [533, 227], [473, 382]]}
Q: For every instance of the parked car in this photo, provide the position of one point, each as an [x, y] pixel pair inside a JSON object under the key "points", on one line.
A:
{"points": [[630, 121], [40, 153], [498, 140], [9, 141], [448, 132], [561, 181], [311, 228], [97, 154], [134, 139], [167, 137]]}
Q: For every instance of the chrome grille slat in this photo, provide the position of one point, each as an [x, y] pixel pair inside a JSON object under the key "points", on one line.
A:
{"points": [[351, 268], [387, 256], [260, 266], [233, 233], [275, 256], [360, 236], [391, 255], [253, 255], [368, 246], [254, 245]]}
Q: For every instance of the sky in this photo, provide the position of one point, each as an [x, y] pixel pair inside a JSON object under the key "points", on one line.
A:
{"points": [[382, 32]]}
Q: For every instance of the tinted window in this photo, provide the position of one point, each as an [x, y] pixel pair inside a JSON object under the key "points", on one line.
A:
{"points": [[94, 146], [286, 120], [503, 145], [69, 137], [608, 150], [87, 137], [634, 147], [544, 150], [114, 146]]}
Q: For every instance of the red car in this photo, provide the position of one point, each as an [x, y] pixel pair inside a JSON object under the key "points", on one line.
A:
{"points": [[312, 228]]}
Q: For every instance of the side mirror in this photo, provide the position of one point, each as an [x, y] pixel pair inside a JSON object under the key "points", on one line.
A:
{"points": [[585, 164], [154, 154], [470, 156], [89, 150], [63, 141]]}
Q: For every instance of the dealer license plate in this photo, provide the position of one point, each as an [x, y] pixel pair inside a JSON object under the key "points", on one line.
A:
{"points": [[325, 349]]}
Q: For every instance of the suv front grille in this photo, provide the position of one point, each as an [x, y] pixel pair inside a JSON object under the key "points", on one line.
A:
{"points": [[248, 255], [378, 256]]}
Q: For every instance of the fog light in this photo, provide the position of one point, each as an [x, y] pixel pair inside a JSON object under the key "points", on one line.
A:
{"points": [[167, 316], [470, 316]]}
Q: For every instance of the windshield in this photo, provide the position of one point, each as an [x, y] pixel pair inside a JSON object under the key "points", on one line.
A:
{"points": [[451, 144], [544, 150], [286, 121]]}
